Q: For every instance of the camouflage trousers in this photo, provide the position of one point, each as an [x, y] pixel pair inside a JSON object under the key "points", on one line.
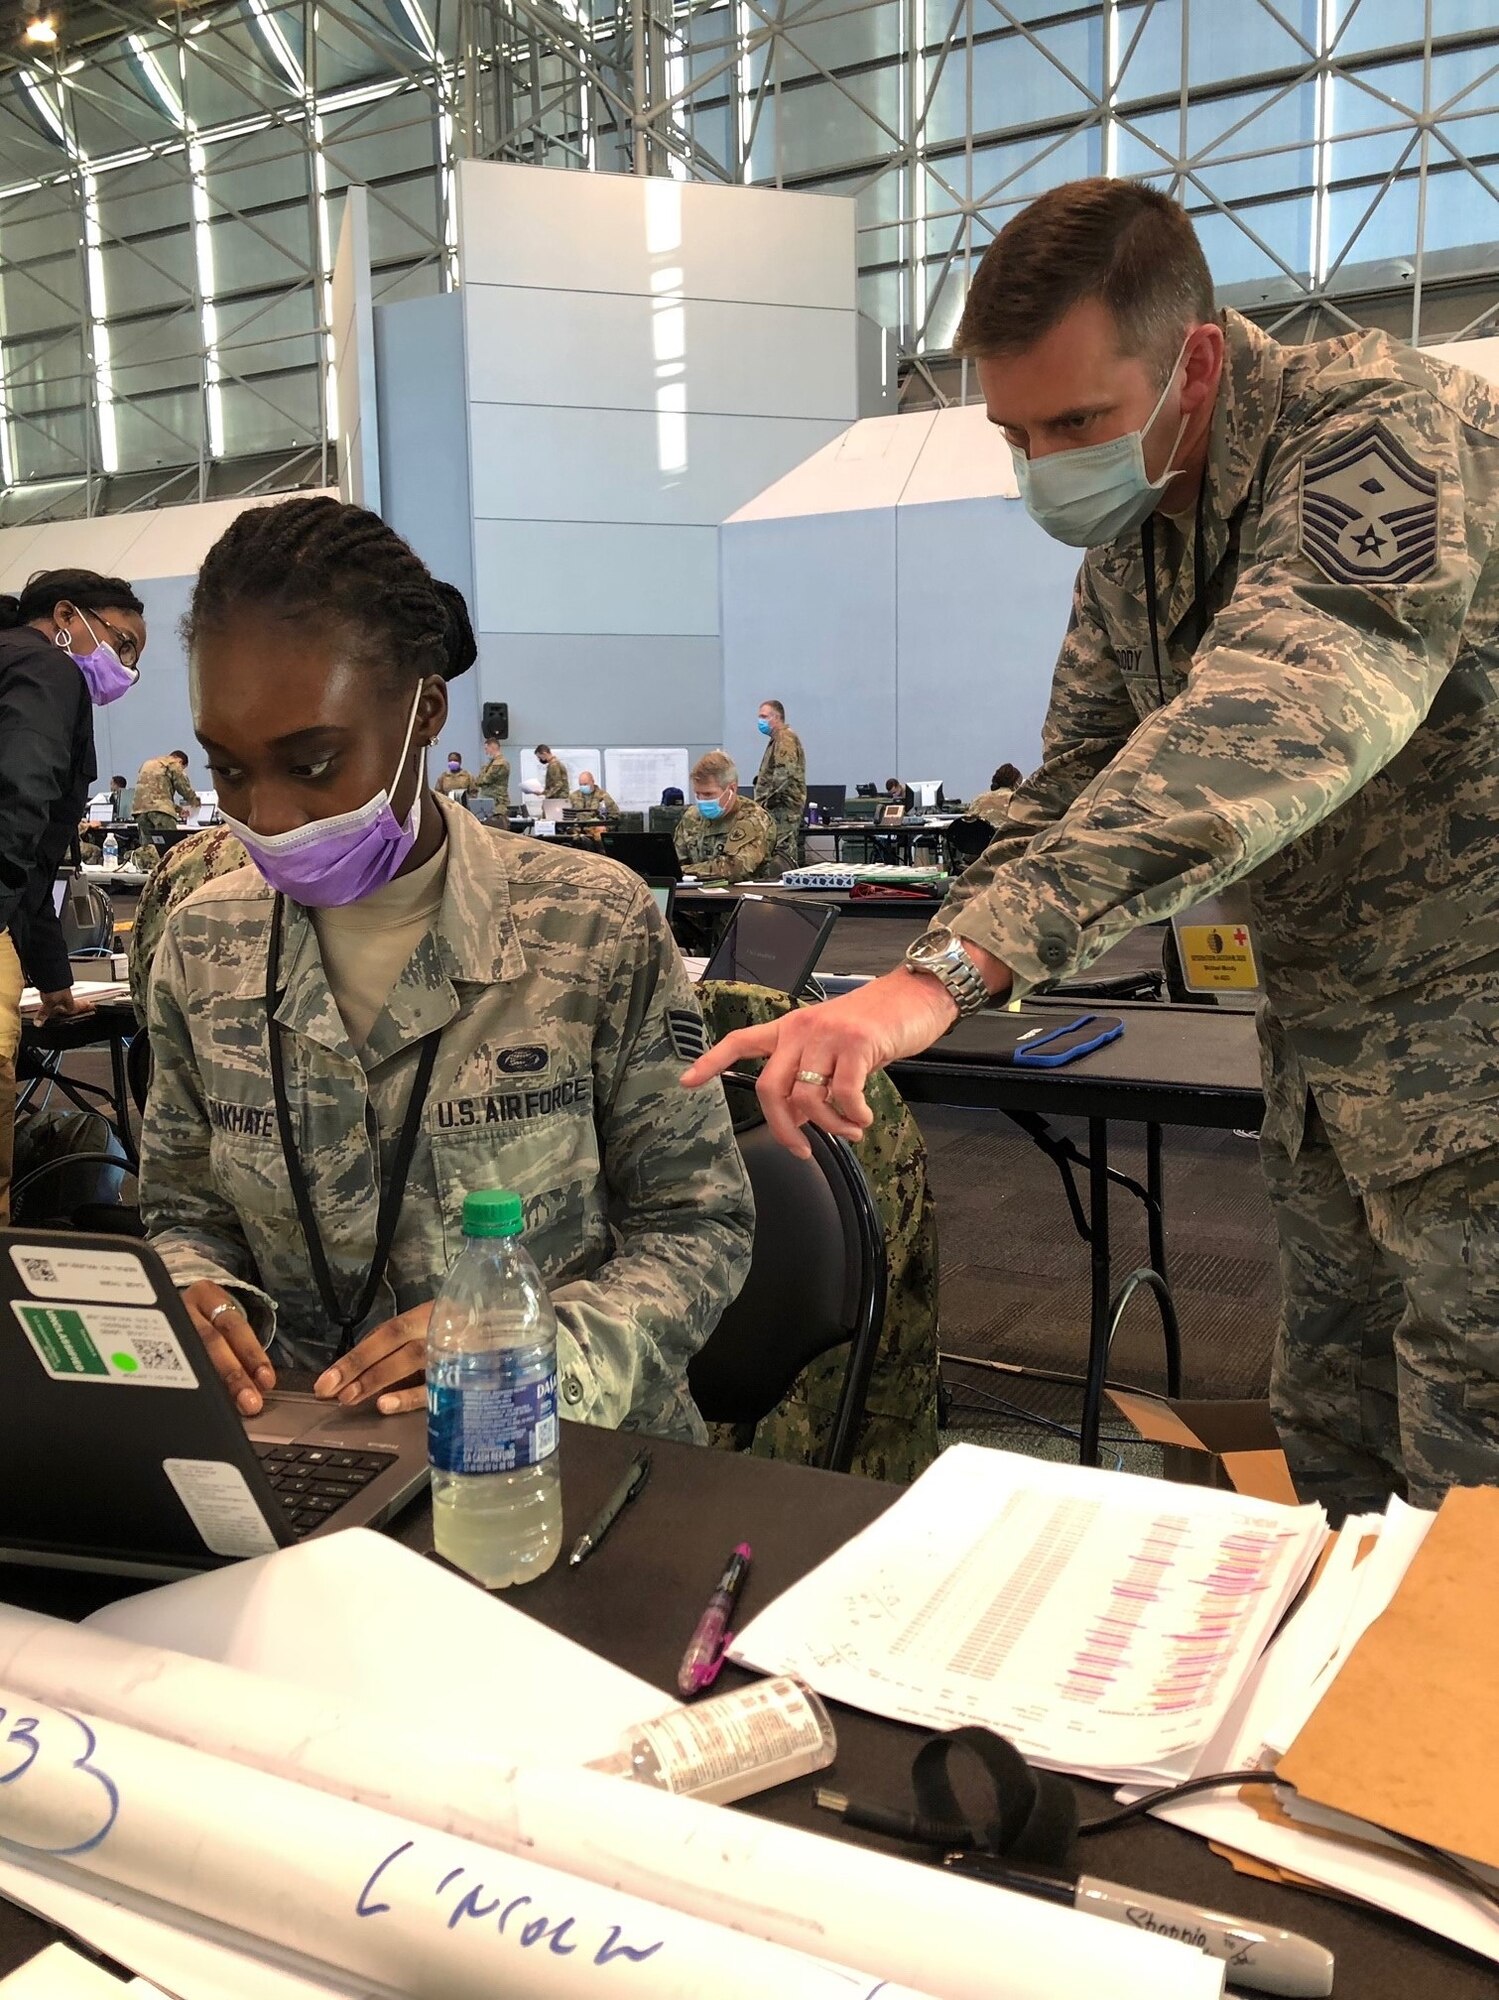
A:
{"points": [[791, 845], [1386, 1376]]}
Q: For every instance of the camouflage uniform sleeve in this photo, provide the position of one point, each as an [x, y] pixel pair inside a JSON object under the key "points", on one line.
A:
{"points": [[679, 1198], [781, 774], [182, 791], [189, 1224], [558, 783], [494, 780], [1089, 719], [1309, 683]]}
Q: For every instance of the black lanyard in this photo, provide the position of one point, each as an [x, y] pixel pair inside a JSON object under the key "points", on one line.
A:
{"points": [[1199, 587], [391, 1192]]}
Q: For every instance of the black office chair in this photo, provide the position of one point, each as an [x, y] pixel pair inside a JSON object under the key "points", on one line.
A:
{"points": [[87, 921], [966, 839], [816, 1281]]}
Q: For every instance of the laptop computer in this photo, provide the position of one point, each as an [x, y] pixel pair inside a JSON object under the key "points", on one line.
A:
{"points": [[653, 855], [771, 941], [121, 1448]]}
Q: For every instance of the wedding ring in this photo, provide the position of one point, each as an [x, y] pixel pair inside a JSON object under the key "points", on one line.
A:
{"points": [[225, 1306], [810, 1076]]}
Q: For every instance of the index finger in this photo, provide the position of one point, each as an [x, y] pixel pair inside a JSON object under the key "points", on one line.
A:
{"points": [[745, 1044]]}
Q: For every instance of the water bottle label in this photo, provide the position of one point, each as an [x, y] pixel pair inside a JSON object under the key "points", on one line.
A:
{"points": [[491, 1426]]}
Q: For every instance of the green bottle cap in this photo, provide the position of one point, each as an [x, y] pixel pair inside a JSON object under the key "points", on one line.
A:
{"points": [[492, 1212]]}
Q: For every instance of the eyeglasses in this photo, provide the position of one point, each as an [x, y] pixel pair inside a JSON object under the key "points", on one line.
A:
{"points": [[126, 649]]}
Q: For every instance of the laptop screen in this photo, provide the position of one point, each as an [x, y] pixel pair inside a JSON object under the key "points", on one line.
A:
{"points": [[772, 942]]}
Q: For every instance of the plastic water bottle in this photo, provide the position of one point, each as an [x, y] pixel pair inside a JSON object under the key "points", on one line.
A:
{"points": [[492, 1403], [111, 851]]}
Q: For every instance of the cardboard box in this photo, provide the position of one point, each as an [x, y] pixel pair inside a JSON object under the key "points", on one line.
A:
{"points": [[1231, 1445]]}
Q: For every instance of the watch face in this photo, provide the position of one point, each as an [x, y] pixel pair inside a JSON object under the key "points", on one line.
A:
{"points": [[934, 943]]}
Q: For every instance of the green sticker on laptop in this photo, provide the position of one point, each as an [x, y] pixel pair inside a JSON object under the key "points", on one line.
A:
{"points": [[94, 1343]]}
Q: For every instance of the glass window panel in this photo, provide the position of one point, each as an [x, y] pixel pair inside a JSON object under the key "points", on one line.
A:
{"points": [[150, 195], [826, 128], [1254, 145], [231, 73], [880, 294], [1462, 217], [284, 416], [44, 296], [404, 221], [834, 39], [1390, 24], [1388, 235], [1244, 40], [1466, 78], [43, 372], [50, 448], [394, 136], [141, 276], [164, 352], [1017, 172], [158, 430], [256, 169], [1015, 82], [1285, 228], [39, 224], [255, 254], [419, 281]]}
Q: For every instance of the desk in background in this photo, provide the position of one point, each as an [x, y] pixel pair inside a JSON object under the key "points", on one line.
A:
{"points": [[1172, 1066], [636, 1603]]}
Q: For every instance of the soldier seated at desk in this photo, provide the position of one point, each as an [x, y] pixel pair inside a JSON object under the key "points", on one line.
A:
{"points": [[723, 836], [384, 943]]}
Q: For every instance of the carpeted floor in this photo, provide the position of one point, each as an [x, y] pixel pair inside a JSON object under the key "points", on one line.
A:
{"points": [[1015, 1275]]}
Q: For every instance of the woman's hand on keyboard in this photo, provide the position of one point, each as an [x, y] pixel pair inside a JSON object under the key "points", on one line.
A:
{"points": [[389, 1364], [242, 1363]]}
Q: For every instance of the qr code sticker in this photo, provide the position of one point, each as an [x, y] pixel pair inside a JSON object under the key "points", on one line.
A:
{"points": [[37, 1270], [157, 1357]]}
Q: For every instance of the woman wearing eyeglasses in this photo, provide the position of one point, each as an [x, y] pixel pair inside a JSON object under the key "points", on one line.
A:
{"points": [[69, 643]]}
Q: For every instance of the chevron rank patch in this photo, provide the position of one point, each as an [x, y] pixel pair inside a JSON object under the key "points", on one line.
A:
{"points": [[686, 1032], [1368, 511]]}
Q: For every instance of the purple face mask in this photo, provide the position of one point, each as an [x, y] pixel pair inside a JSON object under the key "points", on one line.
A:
{"points": [[330, 862], [104, 673]]}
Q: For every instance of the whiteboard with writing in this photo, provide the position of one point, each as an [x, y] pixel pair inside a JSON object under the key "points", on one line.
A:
{"points": [[636, 779]]}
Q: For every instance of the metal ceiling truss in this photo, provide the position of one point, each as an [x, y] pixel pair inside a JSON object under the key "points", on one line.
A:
{"points": [[169, 201]]}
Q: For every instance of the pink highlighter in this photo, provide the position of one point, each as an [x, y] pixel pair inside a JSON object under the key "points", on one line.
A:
{"points": [[712, 1638]]}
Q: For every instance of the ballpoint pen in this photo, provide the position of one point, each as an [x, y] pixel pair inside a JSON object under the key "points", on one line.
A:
{"points": [[712, 1638], [634, 1477]]}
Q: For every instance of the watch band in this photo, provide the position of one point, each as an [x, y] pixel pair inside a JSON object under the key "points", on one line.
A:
{"points": [[958, 973]]}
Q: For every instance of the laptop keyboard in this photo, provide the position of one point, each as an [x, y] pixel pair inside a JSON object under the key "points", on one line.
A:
{"points": [[314, 1481]]}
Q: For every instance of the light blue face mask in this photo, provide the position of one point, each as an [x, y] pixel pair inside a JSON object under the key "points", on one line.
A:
{"points": [[1100, 491], [763, 725], [585, 789], [710, 808]]}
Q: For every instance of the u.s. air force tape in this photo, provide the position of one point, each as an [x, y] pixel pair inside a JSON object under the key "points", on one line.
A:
{"points": [[1368, 510], [686, 1031]]}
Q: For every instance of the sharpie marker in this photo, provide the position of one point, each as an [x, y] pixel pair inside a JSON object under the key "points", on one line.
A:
{"points": [[1265, 1960]]}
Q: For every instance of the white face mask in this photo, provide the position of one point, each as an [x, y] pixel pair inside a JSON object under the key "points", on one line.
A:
{"points": [[1100, 491]]}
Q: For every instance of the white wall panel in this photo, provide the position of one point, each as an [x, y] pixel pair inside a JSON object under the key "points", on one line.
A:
{"points": [[611, 350], [867, 466], [809, 618], [619, 682], [625, 233], [546, 576], [532, 463]]}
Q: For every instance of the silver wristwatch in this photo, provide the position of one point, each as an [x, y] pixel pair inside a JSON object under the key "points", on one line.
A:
{"points": [[946, 958]]}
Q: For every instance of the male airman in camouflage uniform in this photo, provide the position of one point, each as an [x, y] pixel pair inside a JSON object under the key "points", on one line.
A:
{"points": [[781, 783], [1294, 685], [201, 858], [160, 786], [735, 839], [566, 1017], [494, 780]]}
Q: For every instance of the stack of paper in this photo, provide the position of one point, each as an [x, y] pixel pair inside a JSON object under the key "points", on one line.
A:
{"points": [[1106, 1624], [1378, 1699]]}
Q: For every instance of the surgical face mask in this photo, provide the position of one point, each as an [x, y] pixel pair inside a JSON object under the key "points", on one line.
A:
{"points": [[711, 808], [330, 862], [105, 674], [1100, 491], [455, 763], [763, 725], [585, 788]]}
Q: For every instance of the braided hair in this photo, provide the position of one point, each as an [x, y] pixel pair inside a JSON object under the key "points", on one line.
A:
{"points": [[322, 561]]}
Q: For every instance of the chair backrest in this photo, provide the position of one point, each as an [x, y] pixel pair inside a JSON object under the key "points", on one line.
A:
{"points": [[87, 920], [663, 819], [966, 840], [817, 1281]]}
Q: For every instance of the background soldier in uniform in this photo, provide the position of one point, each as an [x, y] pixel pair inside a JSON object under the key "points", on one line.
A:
{"points": [[494, 779], [455, 778], [1282, 669], [541, 981], [160, 787], [781, 782], [722, 836], [589, 796], [556, 784]]}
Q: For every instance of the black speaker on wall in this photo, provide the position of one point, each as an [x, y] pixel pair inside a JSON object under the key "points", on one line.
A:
{"points": [[496, 720]]}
